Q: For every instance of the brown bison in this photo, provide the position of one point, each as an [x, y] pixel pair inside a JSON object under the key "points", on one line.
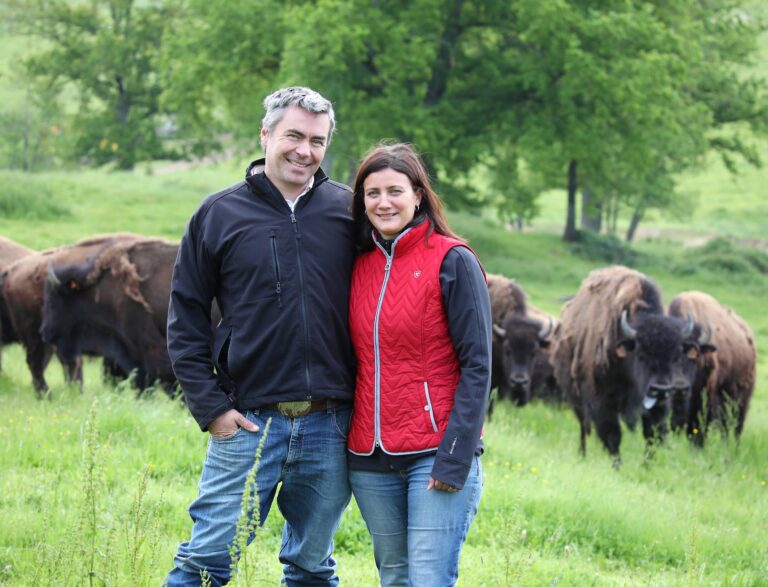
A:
{"points": [[617, 355], [22, 291], [114, 304], [9, 253], [722, 378], [520, 339]]}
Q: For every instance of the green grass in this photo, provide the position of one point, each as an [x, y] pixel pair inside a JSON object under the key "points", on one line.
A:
{"points": [[547, 517]]}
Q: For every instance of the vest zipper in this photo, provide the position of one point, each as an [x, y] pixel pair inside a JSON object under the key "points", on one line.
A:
{"points": [[303, 304], [376, 350]]}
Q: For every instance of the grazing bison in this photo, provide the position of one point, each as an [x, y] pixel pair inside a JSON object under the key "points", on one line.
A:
{"points": [[9, 253], [727, 376], [114, 304], [22, 291], [616, 355], [520, 338]]}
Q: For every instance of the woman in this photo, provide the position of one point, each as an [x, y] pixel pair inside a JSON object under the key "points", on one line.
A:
{"points": [[420, 320]]}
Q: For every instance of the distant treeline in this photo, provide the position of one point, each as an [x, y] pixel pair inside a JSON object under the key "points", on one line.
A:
{"points": [[505, 99]]}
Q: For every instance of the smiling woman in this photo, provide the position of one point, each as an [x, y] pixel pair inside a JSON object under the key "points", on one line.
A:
{"points": [[420, 322], [390, 201]]}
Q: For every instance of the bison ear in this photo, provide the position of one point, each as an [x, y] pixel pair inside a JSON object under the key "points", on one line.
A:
{"points": [[623, 347], [708, 349], [544, 343]]}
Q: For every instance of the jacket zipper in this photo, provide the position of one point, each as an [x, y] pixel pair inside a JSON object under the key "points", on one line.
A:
{"points": [[428, 407], [303, 303], [276, 264]]}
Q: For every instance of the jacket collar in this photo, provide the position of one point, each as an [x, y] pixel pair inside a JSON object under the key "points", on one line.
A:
{"points": [[262, 186], [407, 239]]}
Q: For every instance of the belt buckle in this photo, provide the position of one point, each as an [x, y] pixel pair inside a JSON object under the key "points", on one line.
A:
{"points": [[294, 409]]}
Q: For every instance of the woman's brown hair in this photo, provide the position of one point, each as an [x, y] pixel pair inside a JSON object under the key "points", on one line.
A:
{"points": [[402, 158]]}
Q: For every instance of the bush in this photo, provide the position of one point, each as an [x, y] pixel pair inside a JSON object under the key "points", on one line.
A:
{"points": [[723, 256], [604, 248]]}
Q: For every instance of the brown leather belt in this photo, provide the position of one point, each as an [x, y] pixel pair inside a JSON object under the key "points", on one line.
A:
{"points": [[302, 408]]}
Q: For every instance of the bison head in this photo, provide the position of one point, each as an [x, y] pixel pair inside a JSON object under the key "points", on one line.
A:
{"points": [[659, 357], [522, 339], [696, 367], [62, 311]]}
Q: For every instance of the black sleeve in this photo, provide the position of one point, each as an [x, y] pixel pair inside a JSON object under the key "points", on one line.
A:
{"points": [[468, 307], [193, 288]]}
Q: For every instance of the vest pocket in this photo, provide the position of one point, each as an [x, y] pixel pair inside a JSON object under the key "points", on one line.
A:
{"points": [[428, 407]]}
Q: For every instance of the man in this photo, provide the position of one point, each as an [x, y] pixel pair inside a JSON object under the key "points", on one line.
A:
{"points": [[276, 253]]}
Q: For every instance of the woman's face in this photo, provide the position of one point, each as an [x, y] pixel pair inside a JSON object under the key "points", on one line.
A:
{"points": [[390, 201]]}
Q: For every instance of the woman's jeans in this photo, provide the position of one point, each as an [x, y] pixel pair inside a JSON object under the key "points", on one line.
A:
{"points": [[417, 534], [308, 456]]}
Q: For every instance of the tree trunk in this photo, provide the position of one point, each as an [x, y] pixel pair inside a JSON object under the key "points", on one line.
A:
{"points": [[571, 234], [637, 216], [591, 210]]}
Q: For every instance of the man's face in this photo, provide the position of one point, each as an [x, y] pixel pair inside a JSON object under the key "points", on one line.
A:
{"points": [[294, 149]]}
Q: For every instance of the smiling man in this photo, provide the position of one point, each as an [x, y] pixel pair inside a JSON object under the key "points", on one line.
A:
{"points": [[276, 252]]}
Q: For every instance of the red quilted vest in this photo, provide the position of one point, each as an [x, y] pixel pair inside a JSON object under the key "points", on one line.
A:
{"points": [[407, 369]]}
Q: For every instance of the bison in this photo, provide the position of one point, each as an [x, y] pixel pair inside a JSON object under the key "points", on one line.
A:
{"points": [[114, 304], [520, 339], [727, 376], [22, 291], [617, 355], [9, 253]]}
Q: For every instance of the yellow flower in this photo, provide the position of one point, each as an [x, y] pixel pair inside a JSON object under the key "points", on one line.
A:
{"points": [[103, 143], [534, 470], [114, 147]]}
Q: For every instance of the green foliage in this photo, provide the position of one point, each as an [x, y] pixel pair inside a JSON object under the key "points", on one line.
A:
{"points": [[722, 256], [107, 50], [604, 249]]}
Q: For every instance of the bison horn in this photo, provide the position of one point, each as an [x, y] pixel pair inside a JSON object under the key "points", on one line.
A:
{"points": [[546, 330], [499, 330], [53, 279], [688, 328], [707, 335], [626, 329]]}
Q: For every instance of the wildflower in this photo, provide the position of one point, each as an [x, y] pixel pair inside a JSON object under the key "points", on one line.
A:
{"points": [[114, 147], [103, 143], [695, 430], [534, 470]]}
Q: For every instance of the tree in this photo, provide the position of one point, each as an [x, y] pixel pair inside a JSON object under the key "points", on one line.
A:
{"points": [[106, 50]]}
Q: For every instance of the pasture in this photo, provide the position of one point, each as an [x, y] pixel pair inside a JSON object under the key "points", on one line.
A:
{"points": [[94, 487]]}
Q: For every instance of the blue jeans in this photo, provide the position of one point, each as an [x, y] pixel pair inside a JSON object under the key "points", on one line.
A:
{"points": [[417, 534], [308, 456]]}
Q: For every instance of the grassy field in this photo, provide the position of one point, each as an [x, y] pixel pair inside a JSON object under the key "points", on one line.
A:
{"points": [[95, 486]]}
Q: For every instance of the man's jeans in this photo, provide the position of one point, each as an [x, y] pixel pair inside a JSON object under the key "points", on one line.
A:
{"points": [[417, 534], [308, 455]]}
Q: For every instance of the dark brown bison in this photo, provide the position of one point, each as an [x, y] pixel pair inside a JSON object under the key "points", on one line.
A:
{"points": [[723, 377], [617, 355], [9, 253], [22, 290], [114, 304], [520, 339]]}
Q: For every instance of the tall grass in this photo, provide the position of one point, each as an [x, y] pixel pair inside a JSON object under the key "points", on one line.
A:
{"points": [[94, 487]]}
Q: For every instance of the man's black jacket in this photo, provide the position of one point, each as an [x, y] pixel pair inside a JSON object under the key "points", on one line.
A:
{"points": [[281, 280]]}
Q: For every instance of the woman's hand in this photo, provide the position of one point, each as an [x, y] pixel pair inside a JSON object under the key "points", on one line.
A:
{"points": [[440, 486]]}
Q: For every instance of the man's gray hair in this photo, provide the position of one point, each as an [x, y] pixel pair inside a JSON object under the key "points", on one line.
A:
{"points": [[276, 104]]}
